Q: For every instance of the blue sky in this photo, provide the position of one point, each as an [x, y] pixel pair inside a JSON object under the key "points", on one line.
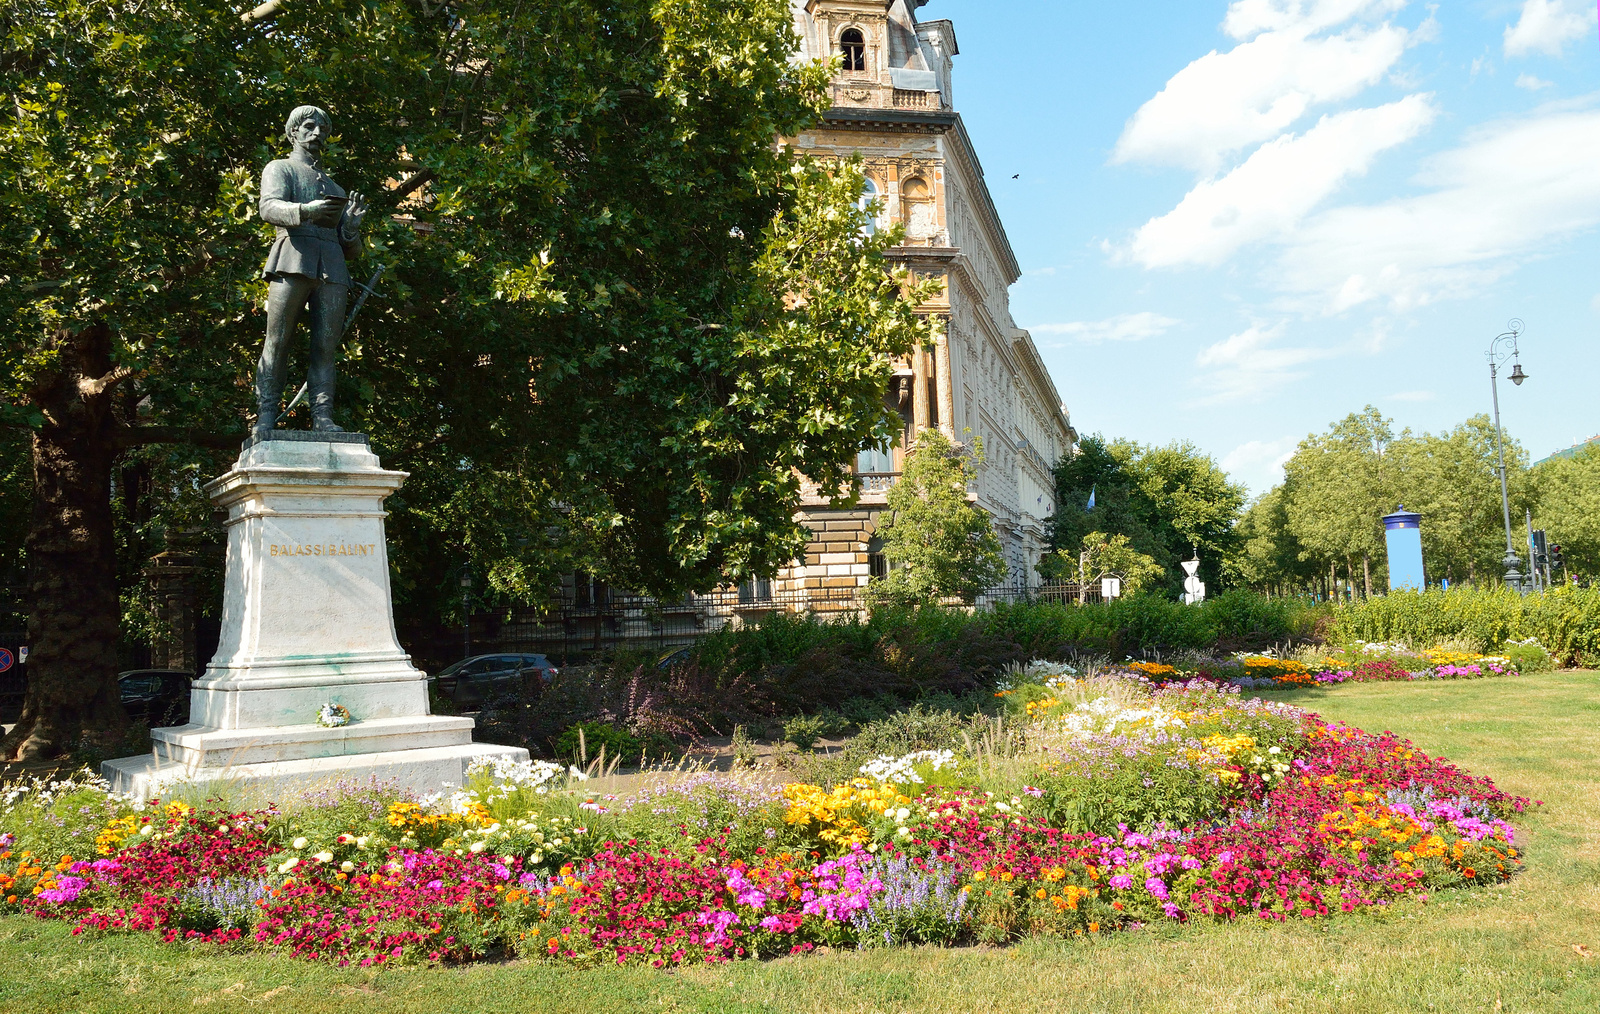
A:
{"points": [[1239, 222]]}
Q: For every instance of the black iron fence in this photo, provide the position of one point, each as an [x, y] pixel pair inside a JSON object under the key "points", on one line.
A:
{"points": [[572, 631]]}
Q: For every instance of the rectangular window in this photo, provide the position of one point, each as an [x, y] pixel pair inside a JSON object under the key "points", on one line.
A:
{"points": [[756, 589], [877, 565], [875, 460]]}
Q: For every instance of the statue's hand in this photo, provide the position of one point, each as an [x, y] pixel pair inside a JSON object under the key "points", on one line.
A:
{"points": [[355, 212], [323, 211]]}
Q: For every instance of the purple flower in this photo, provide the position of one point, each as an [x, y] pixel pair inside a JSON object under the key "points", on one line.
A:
{"points": [[1121, 881], [66, 890], [771, 922], [1032, 791], [1156, 887]]}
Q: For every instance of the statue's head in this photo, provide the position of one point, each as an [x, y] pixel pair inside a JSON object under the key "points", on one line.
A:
{"points": [[296, 128]]}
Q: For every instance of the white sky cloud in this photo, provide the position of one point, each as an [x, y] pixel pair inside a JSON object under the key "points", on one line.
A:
{"points": [[1246, 18], [1277, 186], [1413, 396], [1223, 103], [1532, 83], [1121, 328], [1546, 26], [1509, 191], [1259, 463], [1249, 366]]}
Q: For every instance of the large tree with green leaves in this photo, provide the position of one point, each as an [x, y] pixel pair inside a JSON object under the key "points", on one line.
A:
{"points": [[1168, 500], [1568, 494], [617, 319], [938, 543]]}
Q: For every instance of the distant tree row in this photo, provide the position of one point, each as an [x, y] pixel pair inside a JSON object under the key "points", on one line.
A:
{"points": [[1322, 528], [1169, 502]]}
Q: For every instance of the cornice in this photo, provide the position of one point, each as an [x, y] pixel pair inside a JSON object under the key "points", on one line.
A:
{"points": [[913, 121]]}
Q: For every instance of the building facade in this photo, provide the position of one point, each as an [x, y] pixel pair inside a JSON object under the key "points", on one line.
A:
{"points": [[984, 383]]}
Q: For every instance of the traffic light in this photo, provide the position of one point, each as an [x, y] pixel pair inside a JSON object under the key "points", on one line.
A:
{"points": [[1555, 558]]}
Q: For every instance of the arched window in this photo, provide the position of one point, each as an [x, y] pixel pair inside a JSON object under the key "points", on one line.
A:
{"points": [[869, 194], [854, 47]]}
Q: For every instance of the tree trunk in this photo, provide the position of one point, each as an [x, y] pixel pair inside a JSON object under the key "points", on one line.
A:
{"points": [[74, 616], [1366, 575]]}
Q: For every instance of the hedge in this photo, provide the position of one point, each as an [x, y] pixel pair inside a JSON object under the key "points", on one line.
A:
{"points": [[1565, 620]]}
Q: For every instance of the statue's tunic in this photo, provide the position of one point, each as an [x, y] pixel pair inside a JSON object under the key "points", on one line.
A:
{"points": [[314, 251]]}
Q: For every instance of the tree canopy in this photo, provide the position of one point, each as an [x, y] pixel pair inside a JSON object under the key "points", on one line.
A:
{"points": [[1167, 500], [616, 321], [1327, 516]]}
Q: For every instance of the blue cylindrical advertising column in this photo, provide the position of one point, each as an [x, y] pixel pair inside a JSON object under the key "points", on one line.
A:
{"points": [[1403, 532]]}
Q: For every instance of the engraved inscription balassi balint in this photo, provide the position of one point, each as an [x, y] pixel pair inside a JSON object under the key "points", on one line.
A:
{"points": [[324, 549]]}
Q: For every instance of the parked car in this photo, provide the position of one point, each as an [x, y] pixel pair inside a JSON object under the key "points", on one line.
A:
{"points": [[472, 681], [156, 697]]}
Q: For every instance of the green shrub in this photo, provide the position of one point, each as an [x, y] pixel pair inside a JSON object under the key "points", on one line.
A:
{"points": [[803, 731], [1143, 792], [1529, 655], [619, 744], [916, 728], [1565, 620]]}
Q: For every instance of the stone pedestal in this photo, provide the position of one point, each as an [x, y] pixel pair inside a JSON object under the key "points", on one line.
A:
{"points": [[307, 620]]}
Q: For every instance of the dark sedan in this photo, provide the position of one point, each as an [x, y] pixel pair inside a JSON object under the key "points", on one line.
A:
{"points": [[156, 697], [471, 682]]}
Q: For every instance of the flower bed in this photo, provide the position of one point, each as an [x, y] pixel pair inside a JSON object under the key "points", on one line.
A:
{"points": [[1360, 663], [1124, 803]]}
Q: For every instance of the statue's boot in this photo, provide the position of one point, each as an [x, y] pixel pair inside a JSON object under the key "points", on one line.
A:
{"points": [[266, 420], [322, 415]]}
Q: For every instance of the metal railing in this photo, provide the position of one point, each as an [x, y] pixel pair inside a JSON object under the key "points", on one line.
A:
{"points": [[571, 631]]}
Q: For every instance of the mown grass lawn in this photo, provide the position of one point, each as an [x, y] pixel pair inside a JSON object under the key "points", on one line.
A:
{"points": [[1521, 947]]}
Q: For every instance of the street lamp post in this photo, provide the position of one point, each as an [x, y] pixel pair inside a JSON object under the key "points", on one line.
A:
{"points": [[466, 611], [1502, 348]]}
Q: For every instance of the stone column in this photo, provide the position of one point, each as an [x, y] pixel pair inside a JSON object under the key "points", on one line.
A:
{"points": [[919, 392], [941, 373]]}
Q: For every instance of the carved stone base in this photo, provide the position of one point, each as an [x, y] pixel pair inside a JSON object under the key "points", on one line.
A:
{"points": [[307, 620]]}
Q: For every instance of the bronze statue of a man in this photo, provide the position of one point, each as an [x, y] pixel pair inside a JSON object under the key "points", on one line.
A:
{"points": [[318, 226]]}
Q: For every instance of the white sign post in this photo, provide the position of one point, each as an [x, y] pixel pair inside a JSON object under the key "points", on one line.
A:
{"points": [[1111, 587], [1194, 589]]}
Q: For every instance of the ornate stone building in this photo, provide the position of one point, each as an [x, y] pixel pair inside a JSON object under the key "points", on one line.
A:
{"points": [[984, 382]]}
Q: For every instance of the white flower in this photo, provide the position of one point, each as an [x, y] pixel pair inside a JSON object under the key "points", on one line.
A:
{"points": [[902, 832], [148, 830], [476, 847], [298, 843], [288, 864], [901, 814], [1276, 749], [347, 866], [323, 856]]}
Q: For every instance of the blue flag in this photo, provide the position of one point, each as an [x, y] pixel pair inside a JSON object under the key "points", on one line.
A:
{"points": [[1091, 499]]}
